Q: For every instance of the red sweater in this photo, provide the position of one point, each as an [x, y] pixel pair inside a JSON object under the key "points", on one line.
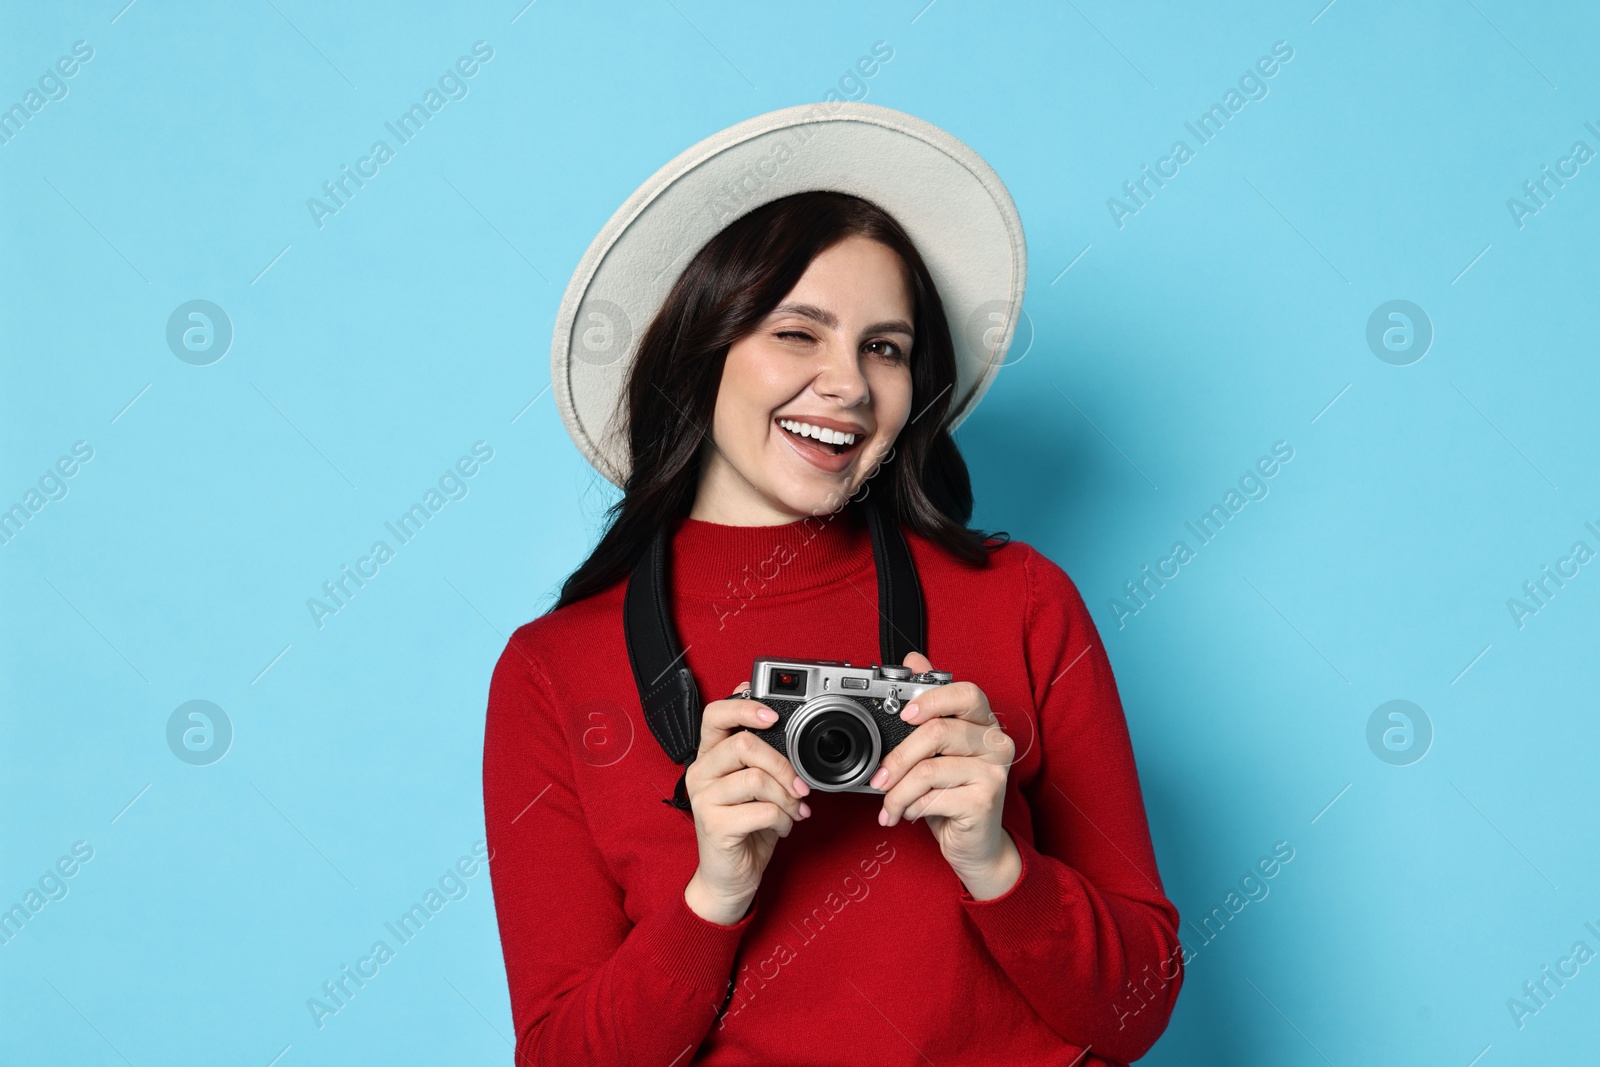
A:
{"points": [[861, 945]]}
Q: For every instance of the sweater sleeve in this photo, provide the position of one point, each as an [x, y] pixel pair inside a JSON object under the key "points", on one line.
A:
{"points": [[1087, 933], [587, 984]]}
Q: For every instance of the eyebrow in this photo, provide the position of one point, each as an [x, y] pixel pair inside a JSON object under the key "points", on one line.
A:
{"points": [[831, 321]]}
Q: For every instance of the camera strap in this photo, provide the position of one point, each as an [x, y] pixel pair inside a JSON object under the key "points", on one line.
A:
{"points": [[667, 690]]}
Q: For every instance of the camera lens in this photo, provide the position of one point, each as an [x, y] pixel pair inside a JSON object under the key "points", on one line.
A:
{"points": [[833, 745], [834, 748]]}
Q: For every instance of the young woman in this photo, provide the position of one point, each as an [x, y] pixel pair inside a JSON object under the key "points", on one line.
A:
{"points": [[999, 901]]}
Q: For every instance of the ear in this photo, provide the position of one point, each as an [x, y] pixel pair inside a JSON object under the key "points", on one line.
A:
{"points": [[918, 663]]}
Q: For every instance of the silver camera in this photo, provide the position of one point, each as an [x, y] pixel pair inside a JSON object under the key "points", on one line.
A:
{"points": [[836, 721]]}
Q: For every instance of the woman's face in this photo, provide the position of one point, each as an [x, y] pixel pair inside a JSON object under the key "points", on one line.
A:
{"points": [[833, 358]]}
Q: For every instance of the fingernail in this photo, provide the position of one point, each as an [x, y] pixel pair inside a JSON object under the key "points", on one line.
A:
{"points": [[908, 711], [879, 778], [805, 810], [800, 786], [767, 715], [883, 816]]}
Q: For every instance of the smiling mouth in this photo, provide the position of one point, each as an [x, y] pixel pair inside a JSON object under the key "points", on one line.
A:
{"points": [[831, 441]]}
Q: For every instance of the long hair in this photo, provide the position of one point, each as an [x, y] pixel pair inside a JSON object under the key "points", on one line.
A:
{"points": [[727, 289]]}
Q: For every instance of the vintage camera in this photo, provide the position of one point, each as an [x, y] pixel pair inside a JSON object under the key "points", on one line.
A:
{"points": [[836, 722]]}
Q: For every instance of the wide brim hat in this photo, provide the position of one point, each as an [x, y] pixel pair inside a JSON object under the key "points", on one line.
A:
{"points": [[949, 201]]}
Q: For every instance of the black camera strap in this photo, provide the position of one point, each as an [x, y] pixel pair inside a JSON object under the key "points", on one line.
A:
{"points": [[667, 690]]}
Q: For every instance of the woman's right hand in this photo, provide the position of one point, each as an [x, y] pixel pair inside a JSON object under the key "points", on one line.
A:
{"points": [[744, 795]]}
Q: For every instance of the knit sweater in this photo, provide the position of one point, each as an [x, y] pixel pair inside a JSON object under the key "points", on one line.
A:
{"points": [[861, 944]]}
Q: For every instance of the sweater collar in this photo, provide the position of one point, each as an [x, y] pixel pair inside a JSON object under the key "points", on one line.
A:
{"points": [[712, 562]]}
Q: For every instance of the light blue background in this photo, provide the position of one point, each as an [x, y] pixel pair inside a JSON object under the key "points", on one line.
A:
{"points": [[370, 353]]}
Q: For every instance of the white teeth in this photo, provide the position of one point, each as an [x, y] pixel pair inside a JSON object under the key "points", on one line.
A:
{"points": [[805, 429]]}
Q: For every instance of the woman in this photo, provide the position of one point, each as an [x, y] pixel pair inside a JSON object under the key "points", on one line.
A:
{"points": [[800, 370]]}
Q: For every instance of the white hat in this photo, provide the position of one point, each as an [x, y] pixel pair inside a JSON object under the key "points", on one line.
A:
{"points": [[947, 199]]}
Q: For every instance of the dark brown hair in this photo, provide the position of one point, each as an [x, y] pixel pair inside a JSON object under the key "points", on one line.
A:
{"points": [[724, 293]]}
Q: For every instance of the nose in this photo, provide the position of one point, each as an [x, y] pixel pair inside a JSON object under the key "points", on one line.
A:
{"points": [[839, 377]]}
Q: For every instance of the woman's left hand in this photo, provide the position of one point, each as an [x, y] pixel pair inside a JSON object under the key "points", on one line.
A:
{"points": [[952, 770]]}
